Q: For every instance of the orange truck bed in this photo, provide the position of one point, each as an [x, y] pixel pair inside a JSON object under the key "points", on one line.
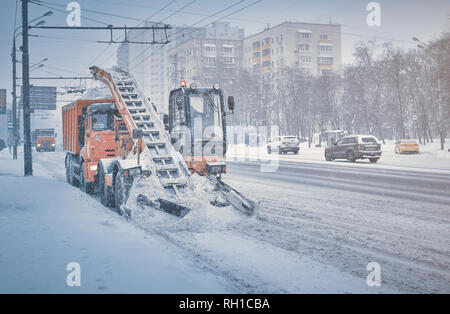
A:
{"points": [[70, 115]]}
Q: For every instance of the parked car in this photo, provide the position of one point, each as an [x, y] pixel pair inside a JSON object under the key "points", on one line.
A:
{"points": [[283, 145], [406, 146], [354, 147]]}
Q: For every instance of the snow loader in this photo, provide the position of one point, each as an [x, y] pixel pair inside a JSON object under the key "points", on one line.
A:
{"points": [[115, 143]]}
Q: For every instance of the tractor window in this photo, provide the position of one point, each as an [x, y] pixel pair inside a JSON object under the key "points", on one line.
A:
{"points": [[102, 122], [207, 108]]}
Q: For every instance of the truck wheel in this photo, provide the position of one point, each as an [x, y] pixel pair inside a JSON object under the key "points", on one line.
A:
{"points": [[105, 195], [373, 160], [72, 181], [121, 192], [68, 171], [85, 186]]}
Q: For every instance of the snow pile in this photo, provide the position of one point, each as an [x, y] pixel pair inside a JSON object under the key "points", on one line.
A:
{"points": [[97, 93], [203, 216]]}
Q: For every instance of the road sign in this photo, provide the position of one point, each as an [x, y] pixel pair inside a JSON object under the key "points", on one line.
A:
{"points": [[42, 98], [2, 101], [414, 117], [10, 125]]}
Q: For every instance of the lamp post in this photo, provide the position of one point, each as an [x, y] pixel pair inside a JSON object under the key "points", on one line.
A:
{"points": [[24, 26]]}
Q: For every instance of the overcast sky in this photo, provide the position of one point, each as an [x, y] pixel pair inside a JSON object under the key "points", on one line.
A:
{"points": [[71, 52]]}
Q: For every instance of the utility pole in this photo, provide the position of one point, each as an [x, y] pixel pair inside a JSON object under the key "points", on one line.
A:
{"points": [[28, 161], [14, 105]]}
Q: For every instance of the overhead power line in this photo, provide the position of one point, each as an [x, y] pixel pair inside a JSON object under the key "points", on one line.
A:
{"points": [[193, 31], [65, 12], [97, 12]]}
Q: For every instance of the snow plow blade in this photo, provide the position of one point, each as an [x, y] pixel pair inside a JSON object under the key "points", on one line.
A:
{"points": [[236, 199], [164, 205]]}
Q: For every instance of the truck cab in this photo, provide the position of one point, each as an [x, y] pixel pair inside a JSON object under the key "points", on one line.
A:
{"points": [[197, 127], [44, 140]]}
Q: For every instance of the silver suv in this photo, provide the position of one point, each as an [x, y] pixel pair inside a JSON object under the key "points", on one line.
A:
{"points": [[283, 145]]}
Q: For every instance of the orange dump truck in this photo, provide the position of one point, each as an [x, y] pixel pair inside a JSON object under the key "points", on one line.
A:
{"points": [[91, 131], [44, 140]]}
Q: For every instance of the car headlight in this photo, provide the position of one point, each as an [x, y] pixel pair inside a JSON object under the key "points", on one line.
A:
{"points": [[53, 144], [93, 167], [38, 145]]}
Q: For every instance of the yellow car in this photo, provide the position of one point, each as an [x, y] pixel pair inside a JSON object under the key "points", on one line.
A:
{"points": [[406, 146]]}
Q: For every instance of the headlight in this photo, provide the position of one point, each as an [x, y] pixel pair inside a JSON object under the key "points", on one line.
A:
{"points": [[216, 86], [216, 167], [53, 144], [93, 167], [38, 145]]}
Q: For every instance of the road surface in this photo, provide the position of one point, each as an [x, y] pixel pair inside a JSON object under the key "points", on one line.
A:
{"points": [[318, 226], [348, 215]]}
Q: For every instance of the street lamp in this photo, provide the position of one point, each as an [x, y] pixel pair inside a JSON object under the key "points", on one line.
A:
{"points": [[14, 60], [421, 44]]}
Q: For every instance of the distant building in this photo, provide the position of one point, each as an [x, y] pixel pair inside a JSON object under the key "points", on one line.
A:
{"points": [[149, 64], [313, 48], [204, 61]]}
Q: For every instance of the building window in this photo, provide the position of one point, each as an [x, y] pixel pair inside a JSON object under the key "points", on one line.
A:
{"points": [[228, 60], [325, 71], [305, 35], [210, 48], [256, 45], [227, 50], [210, 60], [324, 37], [325, 60], [304, 47], [324, 48], [305, 59], [306, 71]]}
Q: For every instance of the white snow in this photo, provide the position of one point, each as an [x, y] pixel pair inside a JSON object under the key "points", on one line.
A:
{"points": [[46, 224]]}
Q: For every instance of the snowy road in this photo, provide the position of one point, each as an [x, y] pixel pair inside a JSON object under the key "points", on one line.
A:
{"points": [[349, 216], [318, 227], [45, 224]]}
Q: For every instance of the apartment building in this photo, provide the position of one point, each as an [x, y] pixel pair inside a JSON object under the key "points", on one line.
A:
{"points": [[209, 59], [150, 64], [313, 48], [204, 61]]}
